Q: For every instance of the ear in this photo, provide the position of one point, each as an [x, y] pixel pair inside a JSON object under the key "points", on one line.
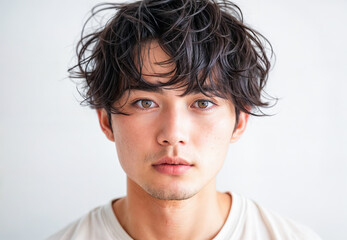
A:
{"points": [[240, 127], [104, 124]]}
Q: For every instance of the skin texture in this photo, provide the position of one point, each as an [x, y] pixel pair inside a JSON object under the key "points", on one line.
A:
{"points": [[161, 124]]}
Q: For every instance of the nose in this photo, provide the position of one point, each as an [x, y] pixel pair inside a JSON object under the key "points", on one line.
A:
{"points": [[173, 127]]}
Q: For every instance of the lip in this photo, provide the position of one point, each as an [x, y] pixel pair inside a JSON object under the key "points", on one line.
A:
{"points": [[172, 166], [172, 161]]}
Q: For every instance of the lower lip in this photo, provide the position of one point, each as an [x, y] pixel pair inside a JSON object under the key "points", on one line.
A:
{"points": [[172, 169]]}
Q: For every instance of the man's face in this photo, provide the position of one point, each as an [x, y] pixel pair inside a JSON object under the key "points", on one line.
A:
{"points": [[171, 146]]}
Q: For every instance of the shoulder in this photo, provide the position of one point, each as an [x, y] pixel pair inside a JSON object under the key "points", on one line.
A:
{"points": [[93, 225], [273, 225]]}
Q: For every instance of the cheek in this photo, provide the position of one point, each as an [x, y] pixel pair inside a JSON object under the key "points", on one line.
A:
{"points": [[215, 131], [130, 131], [212, 140], [131, 139]]}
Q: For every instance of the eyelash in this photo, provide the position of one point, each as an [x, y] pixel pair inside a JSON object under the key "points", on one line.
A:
{"points": [[208, 108], [137, 102]]}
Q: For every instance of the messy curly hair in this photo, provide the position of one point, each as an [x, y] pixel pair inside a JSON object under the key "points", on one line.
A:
{"points": [[212, 50]]}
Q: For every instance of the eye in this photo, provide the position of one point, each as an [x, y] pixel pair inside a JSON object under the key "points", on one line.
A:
{"points": [[203, 104], [145, 104]]}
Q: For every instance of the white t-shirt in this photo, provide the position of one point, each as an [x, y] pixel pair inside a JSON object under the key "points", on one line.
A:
{"points": [[246, 221]]}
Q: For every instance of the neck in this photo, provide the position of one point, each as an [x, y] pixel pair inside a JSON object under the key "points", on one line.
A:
{"points": [[199, 217]]}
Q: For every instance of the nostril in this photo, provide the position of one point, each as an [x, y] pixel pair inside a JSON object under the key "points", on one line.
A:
{"points": [[171, 139]]}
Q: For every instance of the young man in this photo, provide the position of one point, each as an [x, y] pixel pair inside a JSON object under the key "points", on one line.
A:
{"points": [[173, 83]]}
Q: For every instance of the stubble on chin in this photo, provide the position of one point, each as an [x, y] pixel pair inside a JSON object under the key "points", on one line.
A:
{"points": [[169, 194]]}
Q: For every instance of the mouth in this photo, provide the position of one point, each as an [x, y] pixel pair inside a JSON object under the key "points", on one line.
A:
{"points": [[172, 166]]}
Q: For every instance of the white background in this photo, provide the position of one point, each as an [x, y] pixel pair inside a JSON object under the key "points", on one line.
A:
{"points": [[55, 163]]}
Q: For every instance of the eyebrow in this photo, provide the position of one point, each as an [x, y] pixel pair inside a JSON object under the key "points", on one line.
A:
{"points": [[148, 89], [157, 89]]}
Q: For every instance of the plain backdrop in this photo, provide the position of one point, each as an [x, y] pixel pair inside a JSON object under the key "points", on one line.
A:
{"points": [[56, 164]]}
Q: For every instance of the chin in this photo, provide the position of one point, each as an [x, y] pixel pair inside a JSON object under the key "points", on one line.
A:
{"points": [[168, 194]]}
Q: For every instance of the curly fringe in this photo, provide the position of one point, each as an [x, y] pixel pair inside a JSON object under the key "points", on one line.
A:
{"points": [[207, 42]]}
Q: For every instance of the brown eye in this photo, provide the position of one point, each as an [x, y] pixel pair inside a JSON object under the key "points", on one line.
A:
{"points": [[203, 103], [146, 103]]}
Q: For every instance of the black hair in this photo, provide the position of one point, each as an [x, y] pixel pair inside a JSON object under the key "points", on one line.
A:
{"points": [[206, 40]]}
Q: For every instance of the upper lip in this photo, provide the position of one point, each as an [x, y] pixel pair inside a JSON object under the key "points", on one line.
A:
{"points": [[172, 160]]}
